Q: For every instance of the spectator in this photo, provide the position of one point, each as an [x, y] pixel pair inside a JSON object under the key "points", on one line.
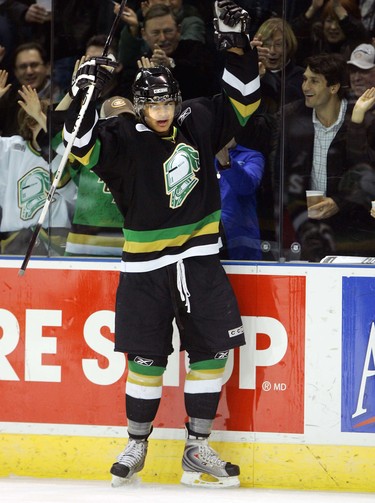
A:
{"points": [[74, 22], [358, 183], [30, 68], [282, 78], [240, 171], [190, 61], [25, 182], [324, 138], [362, 78], [333, 27], [188, 18], [362, 69]]}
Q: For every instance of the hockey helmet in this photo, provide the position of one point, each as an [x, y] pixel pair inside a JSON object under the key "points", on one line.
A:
{"points": [[153, 85]]}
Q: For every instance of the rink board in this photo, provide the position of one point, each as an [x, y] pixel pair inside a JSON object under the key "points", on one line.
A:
{"points": [[298, 405]]}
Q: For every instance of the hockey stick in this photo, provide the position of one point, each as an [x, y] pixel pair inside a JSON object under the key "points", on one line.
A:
{"points": [[68, 148]]}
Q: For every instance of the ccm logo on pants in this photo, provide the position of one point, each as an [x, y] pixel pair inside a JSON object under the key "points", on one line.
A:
{"points": [[235, 331]]}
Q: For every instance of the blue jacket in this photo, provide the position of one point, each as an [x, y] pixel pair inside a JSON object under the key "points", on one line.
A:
{"points": [[238, 189]]}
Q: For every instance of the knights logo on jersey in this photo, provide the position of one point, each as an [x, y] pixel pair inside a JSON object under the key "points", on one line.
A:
{"points": [[32, 192], [179, 173], [106, 190]]}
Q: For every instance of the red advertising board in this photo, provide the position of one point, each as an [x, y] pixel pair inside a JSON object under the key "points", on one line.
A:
{"points": [[57, 363]]}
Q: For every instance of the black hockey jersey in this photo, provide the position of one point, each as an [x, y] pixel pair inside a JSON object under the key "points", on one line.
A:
{"points": [[166, 187]]}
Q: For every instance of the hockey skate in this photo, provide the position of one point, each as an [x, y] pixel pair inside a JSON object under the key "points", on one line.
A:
{"points": [[203, 467], [129, 462]]}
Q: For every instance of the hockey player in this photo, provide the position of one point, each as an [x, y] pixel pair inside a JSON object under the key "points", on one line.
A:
{"points": [[160, 170]]}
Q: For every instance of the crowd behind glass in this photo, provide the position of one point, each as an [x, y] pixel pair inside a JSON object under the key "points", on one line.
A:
{"points": [[314, 130]]}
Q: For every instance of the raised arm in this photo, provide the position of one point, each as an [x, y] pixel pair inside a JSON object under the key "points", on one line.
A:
{"points": [[31, 104], [241, 75], [95, 72], [4, 85], [363, 104]]}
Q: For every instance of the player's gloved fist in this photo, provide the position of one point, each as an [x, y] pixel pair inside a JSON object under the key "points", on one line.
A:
{"points": [[96, 71], [232, 24], [231, 15]]}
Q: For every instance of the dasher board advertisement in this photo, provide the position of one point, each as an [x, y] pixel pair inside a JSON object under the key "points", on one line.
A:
{"points": [[57, 364], [305, 376], [358, 355]]}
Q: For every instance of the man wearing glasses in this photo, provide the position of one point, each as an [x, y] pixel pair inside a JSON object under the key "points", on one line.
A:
{"points": [[30, 67], [190, 61]]}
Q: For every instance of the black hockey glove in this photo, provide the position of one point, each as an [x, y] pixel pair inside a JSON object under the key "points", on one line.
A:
{"points": [[232, 25], [96, 71]]}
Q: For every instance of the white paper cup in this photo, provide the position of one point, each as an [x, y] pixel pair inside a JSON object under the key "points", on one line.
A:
{"points": [[314, 197]]}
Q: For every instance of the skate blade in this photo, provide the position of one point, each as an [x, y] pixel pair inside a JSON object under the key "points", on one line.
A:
{"points": [[121, 481], [199, 479]]}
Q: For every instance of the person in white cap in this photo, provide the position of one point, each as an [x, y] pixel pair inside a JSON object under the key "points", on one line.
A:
{"points": [[362, 85], [362, 80], [362, 69]]}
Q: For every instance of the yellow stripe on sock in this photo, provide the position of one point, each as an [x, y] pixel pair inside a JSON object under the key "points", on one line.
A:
{"points": [[200, 375], [204, 381], [144, 380]]}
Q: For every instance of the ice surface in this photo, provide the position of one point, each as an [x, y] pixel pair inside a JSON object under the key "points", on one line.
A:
{"points": [[29, 490]]}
